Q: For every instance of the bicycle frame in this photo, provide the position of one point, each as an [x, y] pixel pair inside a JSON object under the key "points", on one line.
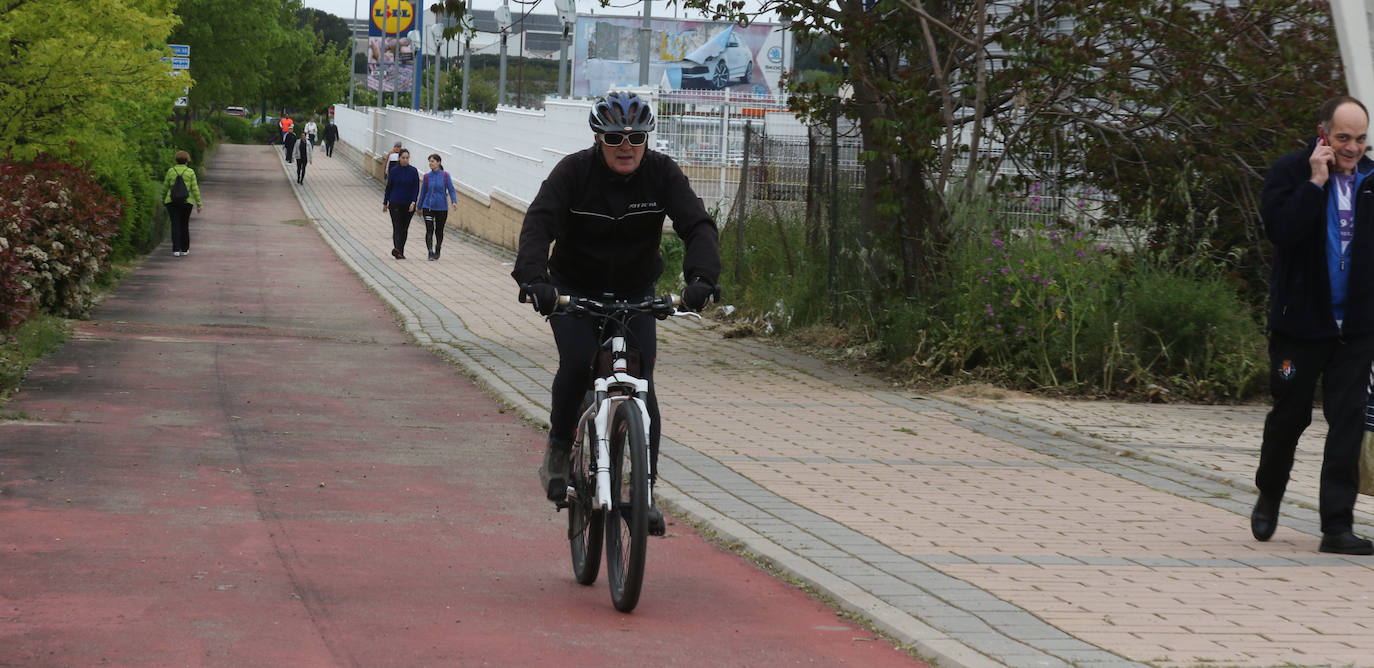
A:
{"points": [[609, 392]]}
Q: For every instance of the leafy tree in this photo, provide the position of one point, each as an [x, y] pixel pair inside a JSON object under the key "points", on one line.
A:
{"points": [[1172, 107], [333, 29], [71, 68], [235, 45]]}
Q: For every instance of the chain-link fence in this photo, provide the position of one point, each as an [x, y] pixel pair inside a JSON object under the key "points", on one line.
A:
{"points": [[722, 139]]}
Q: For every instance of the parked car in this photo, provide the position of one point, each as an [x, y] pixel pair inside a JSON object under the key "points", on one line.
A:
{"points": [[715, 64], [236, 111]]}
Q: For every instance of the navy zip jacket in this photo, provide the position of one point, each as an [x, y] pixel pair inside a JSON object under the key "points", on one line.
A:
{"points": [[402, 185], [606, 228], [1295, 215]]}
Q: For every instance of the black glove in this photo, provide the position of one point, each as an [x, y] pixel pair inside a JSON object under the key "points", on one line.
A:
{"points": [[698, 294], [543, 295]]}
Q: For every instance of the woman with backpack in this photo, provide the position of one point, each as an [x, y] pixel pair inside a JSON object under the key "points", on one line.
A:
{"points": [[180, 190], [437, 196]]}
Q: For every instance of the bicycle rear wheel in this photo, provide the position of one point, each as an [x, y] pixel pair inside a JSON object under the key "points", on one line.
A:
{"points": [[585, 524], [627, 523]]}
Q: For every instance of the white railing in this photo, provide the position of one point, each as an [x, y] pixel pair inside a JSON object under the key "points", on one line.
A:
{"points": [[511, 151]]}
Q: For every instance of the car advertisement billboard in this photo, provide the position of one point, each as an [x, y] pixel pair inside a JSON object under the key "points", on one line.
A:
{"points": [[684, 55], [390, 55]]}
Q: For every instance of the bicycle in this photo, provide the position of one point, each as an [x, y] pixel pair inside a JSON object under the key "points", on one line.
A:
{"points": [[609, 485]]}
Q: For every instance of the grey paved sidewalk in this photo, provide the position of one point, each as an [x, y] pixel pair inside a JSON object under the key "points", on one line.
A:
{"points": [[984, 531]]}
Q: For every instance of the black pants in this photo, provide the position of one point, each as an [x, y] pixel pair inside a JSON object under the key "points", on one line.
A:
{"points": [[300, 170], [434, 228], [400, 225], [180, 215], [578, 342], [1344, 367], [329, 148]]}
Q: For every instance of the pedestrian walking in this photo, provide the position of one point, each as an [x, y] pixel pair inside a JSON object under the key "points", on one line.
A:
{"points": [[391, 158], [437, 196], [311, 131], [1318, 210], [287, 125], [331, 135], [289, 143], [304, 149], [180, 191], [399, 198]]}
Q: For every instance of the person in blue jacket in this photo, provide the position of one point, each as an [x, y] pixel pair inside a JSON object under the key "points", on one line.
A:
{"points": [[1318, 210], [399, 198], [437, 196]]}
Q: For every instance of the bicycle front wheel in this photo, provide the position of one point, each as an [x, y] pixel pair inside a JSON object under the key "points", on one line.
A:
{"points": [[585, 524], [627, 522]]}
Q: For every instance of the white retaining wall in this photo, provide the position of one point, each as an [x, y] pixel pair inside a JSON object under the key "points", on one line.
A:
{"points": [[506, 154]]}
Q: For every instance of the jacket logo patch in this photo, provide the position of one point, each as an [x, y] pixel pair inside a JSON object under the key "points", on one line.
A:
{"points": [[643, 205], [1286, 369]]}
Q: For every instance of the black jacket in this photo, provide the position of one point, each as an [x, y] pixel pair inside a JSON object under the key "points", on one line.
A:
{"points": [[1294, 211], [606, 228]]}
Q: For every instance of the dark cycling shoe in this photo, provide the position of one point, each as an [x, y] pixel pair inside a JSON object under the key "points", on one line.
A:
{"points": [[656, 524], [553, 473]]}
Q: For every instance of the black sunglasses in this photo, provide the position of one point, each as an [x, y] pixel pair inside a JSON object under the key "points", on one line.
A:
{"points": [[618, 138]]}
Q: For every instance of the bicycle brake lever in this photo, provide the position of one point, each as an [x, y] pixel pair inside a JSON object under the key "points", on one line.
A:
{"points": [[687, 314]]}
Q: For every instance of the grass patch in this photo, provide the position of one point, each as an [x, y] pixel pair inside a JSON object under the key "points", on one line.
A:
{"points": [[38, 336], [299, 222]]}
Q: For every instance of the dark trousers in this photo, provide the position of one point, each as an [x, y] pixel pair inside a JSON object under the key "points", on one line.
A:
{"points": [[578, 341], [1344, 367], [180, 215], [300, 170], [329, 148], [434, 228], [400, 225]]}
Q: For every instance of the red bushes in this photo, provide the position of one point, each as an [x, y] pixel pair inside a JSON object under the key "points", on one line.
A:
{"points": [[56, 223]]}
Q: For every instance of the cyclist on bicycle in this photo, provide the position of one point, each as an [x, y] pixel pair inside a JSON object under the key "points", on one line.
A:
{"points": [[603, 209]]}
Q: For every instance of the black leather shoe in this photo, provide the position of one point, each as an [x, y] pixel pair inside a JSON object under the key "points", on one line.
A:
{"points": [[553, 473], [1264, 519], [656, 525], [1346, 543]]}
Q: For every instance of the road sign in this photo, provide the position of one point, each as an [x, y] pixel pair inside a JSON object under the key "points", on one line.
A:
{"points": [[183, 50], [181, 63]]}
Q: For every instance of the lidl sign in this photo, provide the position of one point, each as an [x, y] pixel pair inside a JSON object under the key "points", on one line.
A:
{"points": [[391, 17]]}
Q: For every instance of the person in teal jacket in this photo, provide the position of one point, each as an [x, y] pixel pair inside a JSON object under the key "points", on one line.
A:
{"points": [[178, 200]]}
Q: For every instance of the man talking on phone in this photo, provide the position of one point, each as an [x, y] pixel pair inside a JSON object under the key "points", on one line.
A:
{"points": [[1318, 210]]}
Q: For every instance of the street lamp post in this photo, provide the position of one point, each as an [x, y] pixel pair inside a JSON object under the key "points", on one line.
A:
{"points": [[467, 56], [352, 54], [437, 31], [503, 23], [567, 15], [418, 47]]}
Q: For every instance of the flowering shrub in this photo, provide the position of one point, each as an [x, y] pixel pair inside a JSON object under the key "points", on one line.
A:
{"points": [[1031, 295], [16, 278], [58, 222]]}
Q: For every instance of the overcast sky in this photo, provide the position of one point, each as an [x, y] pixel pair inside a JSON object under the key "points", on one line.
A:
{"points": [[346, 8]]}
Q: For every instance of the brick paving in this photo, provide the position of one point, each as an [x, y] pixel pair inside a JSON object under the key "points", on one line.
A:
{"points": [[985, 531]]}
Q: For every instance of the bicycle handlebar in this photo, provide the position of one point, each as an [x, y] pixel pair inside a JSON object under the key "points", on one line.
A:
{"points": [[660, 307]]}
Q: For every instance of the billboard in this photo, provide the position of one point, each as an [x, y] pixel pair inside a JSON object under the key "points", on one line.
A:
{"points": [[390, 55], [684, 55]]}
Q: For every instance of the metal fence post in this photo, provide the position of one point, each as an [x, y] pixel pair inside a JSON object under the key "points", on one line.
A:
{"points": [[834, 211]]}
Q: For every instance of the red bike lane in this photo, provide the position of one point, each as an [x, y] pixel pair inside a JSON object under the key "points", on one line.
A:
{"points": [[242, 460]]}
